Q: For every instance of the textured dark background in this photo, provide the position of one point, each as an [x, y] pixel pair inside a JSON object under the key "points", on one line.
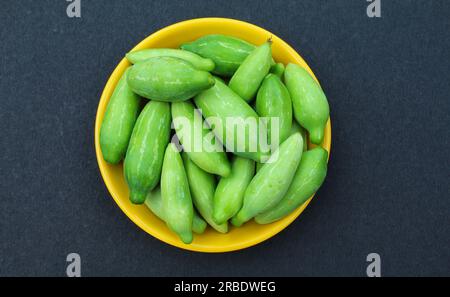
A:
{"points": [[387, 191]]}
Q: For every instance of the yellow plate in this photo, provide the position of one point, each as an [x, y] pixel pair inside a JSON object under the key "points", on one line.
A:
{"points": [[172, 37]]}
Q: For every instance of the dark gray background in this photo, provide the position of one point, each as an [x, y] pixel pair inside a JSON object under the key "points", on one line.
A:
{"points": [[387, 191]]}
